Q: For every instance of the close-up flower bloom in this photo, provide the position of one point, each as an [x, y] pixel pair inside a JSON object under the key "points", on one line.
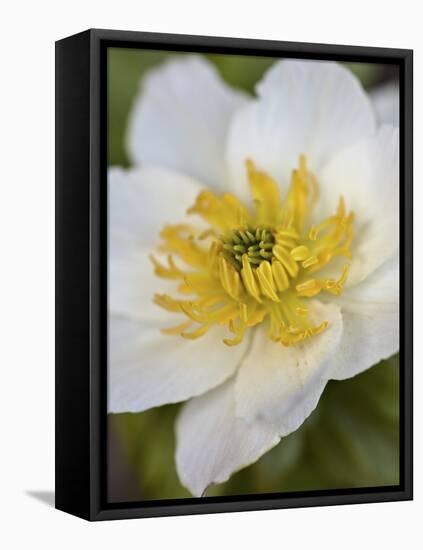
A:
{"points": [[253, 253]]}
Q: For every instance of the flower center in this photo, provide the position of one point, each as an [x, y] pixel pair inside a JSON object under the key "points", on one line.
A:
{"points": [[256, 243], [255, 265]]}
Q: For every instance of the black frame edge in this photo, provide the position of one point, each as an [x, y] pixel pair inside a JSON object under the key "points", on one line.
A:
{"points": [[406, 270], [72, 384], [207, 506], [229, 45]]}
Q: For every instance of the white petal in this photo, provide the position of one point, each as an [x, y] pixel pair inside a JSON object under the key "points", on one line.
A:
{"points": [[309, 107], [180, 119], [282, 385], [367, 176], [385, 101], [212, 443], [133, 284], [142, 201], [148, 368], [370, 313]]}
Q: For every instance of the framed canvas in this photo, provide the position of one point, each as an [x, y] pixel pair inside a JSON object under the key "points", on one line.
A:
{"points": [[234, 274]]}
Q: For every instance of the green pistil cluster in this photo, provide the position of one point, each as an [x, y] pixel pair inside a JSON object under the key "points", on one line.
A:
{"points": [[256, 243]]}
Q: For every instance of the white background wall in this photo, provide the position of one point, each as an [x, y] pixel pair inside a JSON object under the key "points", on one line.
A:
{"points": [[27, 37]]}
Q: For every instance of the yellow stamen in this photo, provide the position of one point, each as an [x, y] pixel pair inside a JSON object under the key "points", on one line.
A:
{"points": [[286, 260], [223, 212], [249, 279], [312, 260], [267, 285], [179, 329], [229, 278], [280, 276], [255, 266], [265, 193], [300, 253], [200, 331]]}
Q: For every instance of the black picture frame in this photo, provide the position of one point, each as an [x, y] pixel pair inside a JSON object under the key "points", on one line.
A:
{"points": [[81, 273]]}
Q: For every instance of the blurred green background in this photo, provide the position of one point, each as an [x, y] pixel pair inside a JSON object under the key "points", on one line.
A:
{"points": [[350, 440]]}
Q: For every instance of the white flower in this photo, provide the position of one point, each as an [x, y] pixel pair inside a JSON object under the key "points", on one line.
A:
{"points": [[310, 294]]}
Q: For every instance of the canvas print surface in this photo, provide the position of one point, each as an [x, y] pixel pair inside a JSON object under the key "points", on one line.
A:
{"points": [[253, 275]]}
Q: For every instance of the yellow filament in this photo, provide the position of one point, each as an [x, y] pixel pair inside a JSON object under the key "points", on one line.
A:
{"points": [[265, 193], [178, 329]]}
